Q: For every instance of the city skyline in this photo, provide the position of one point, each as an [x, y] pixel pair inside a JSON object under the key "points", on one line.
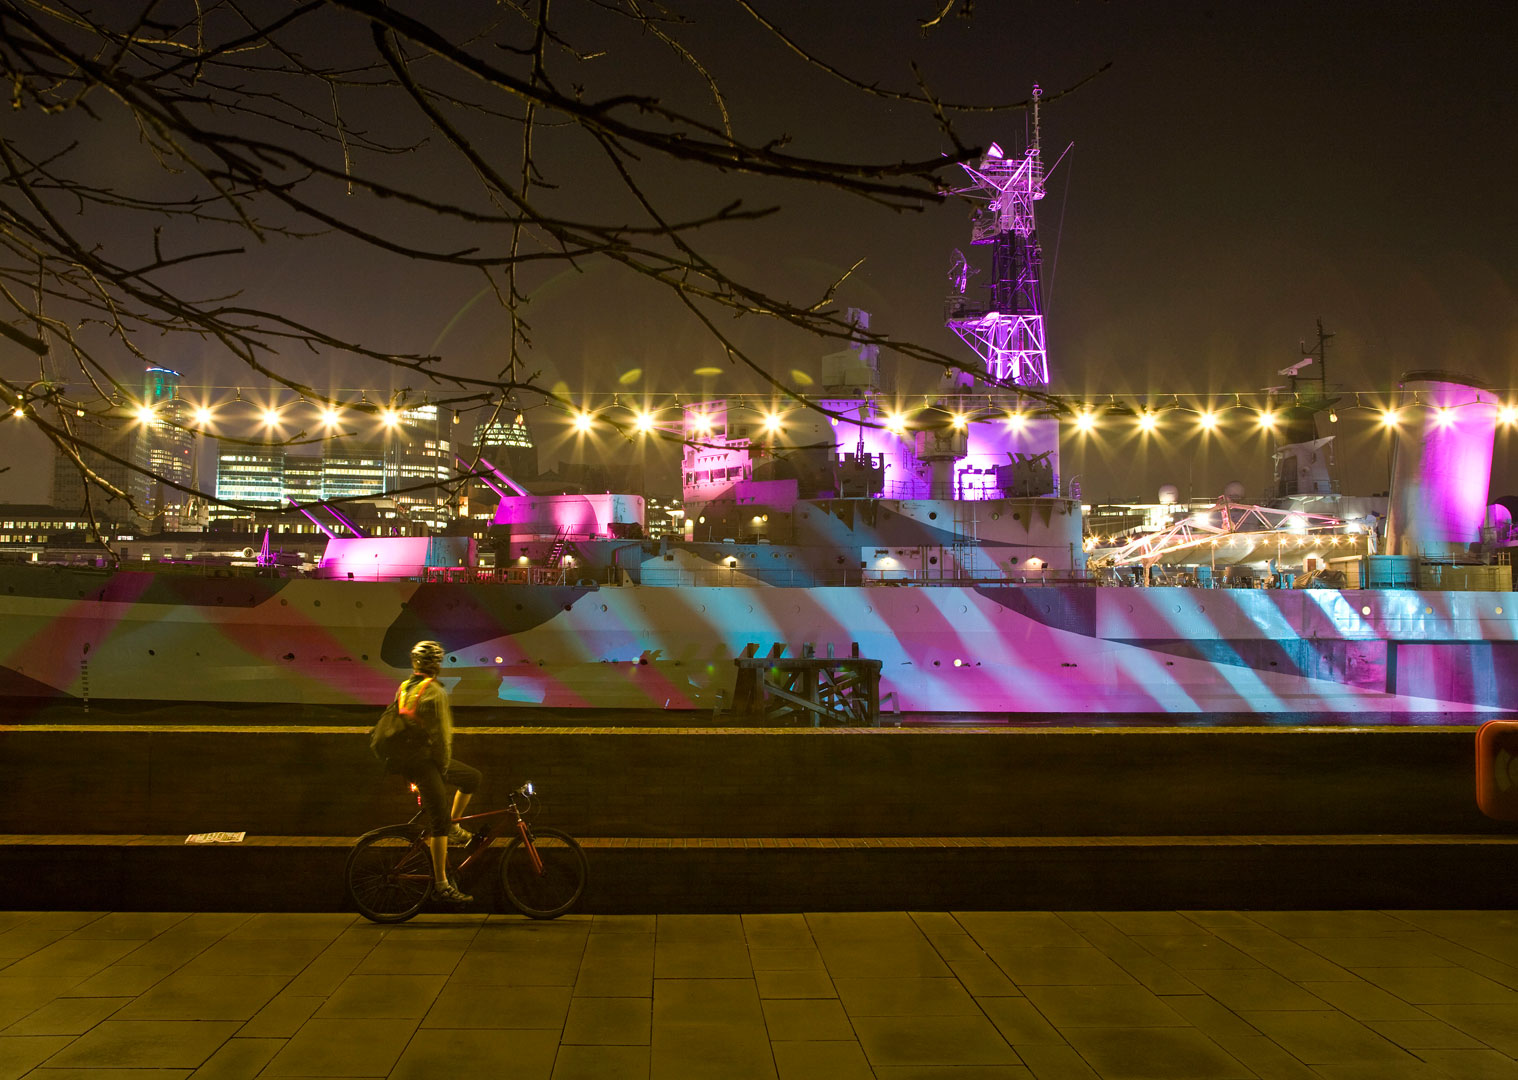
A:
{"points": [[1234, 175]]}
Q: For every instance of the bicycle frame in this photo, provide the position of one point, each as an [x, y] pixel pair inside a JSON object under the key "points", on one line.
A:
{"points": [[485, 839]]}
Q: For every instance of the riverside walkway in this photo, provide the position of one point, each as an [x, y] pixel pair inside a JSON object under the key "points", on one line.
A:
{"points": [[1191, 995]]}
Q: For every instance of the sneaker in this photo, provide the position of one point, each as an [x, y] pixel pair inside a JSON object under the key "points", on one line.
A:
{"points": [[449, 893], [457, 837]]}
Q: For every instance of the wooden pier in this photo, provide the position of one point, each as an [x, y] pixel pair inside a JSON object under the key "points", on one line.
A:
{"points": [[820, 689]]}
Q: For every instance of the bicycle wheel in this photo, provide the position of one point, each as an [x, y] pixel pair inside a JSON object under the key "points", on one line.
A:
{"points": [[554, 891], [389, 873]]}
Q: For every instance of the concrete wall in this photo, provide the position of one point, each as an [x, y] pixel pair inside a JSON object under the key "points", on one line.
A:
{"points": [[772, 783]]}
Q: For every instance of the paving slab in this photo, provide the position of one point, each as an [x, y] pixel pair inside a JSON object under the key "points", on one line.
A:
{"points": [[922, 995]]}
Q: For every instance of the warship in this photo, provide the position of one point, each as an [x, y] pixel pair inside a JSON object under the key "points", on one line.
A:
{"points": [[939, 542]]}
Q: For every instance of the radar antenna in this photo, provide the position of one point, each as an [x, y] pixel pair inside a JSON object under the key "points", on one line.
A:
{"points": [[1008, 332]]}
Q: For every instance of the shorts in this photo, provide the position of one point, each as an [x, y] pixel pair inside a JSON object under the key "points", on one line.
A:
{"points": [[434, 788]]}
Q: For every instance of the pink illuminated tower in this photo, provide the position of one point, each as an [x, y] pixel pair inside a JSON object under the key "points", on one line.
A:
{"points": [[1007, 333]]}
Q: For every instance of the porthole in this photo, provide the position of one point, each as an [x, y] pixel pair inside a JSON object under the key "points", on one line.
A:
{"points": [[316, 603], [152, 653], [1428, 611], [932, 515], [1365, 610], [1499, 610], [284, 603]]}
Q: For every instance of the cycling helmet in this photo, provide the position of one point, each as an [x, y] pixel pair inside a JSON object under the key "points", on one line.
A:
{"points": [[427, 656]]}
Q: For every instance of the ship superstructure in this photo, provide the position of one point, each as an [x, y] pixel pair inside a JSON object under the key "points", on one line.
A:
{"points": [[1006, 330]]}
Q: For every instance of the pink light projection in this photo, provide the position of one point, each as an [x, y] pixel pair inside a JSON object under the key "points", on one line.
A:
{"points": [[1443, 466], [578, 515], [376, 558]]}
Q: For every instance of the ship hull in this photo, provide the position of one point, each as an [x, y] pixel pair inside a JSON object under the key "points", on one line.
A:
{"points": [[978, 650]]}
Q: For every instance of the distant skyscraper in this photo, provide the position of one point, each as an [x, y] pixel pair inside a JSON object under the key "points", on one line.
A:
{"points": [[99, 436], [417, 454], [303, 478], [249, 474], [352, 469], [507, 444], [134, 452], [166, 444]]}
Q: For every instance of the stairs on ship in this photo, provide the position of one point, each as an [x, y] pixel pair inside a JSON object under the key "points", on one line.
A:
{"points": [[556, 553]]}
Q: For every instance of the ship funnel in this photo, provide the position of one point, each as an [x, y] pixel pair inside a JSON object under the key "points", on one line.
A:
{"points": [[1443, 465]]}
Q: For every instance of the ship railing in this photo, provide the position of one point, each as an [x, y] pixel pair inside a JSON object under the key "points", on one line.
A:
{"points": [[738, 577], [513, 575], [980, 489], [969, 579]]}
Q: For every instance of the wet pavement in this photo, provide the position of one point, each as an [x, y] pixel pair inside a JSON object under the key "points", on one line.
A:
{"points": [[1168, 995]]}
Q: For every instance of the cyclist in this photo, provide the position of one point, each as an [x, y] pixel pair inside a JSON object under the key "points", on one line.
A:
{"points": [[423, 702]]}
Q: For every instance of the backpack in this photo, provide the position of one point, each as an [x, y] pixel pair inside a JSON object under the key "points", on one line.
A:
{"points": [[395, 739]]}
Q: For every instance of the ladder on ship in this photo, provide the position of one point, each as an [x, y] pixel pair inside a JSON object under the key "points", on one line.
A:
{"points": [[556, 553]]}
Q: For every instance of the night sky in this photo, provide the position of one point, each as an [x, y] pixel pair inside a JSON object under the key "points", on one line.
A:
{"points": [[1238, 171]]}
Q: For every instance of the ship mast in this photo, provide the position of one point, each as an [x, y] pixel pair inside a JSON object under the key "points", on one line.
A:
{"points": [[1007, 333]]}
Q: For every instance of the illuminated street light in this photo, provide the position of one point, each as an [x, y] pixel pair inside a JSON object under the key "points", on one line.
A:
{"points": [[643, 422], [701, 424], [1147, 420], [1017, 421], [1085, 421], [390, 418], [202, 416], [772, 423], [959, 420], [895, 423], [583, 421], [1389, 417], [1444, 416], [270, 417], [329, 417], [1267, 420], [145, 414], [1508, 415], [1207, 420]]}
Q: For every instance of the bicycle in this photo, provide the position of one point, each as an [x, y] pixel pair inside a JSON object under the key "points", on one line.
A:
{"points": [[543, 871]]}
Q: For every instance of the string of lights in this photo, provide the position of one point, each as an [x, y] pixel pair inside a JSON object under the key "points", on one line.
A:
{"points": [[205, 406]]}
